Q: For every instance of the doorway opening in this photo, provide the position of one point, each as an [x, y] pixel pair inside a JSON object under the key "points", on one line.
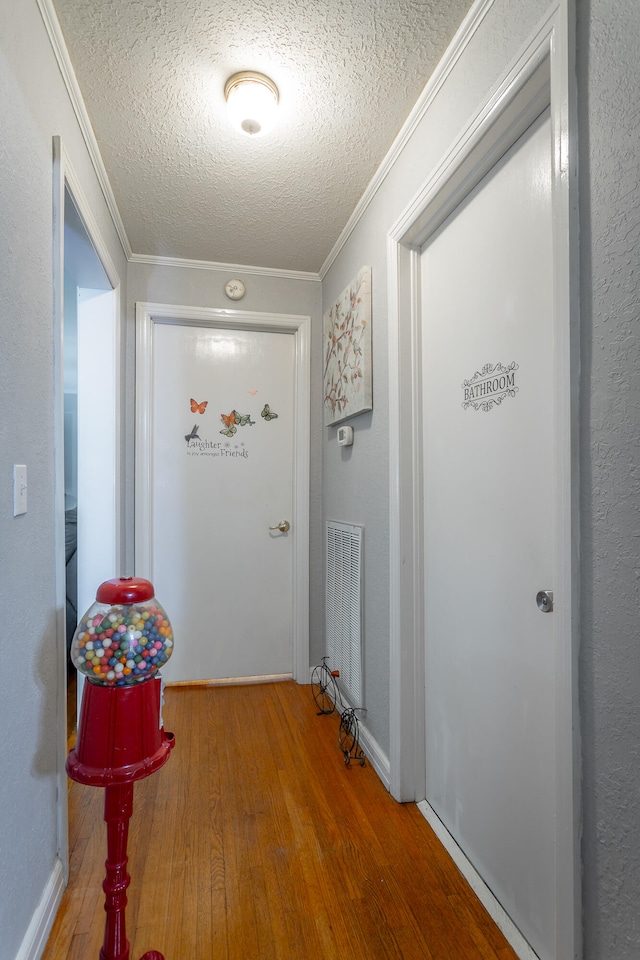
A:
{"points": [[89, 425], [87, 435], [228, 436]]}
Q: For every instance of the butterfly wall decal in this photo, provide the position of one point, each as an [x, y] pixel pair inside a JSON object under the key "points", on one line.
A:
{"points": [[198, 407], [229, 424], [235, 420], [243, 419], [228, 420], [193, 435], [268, 413]]}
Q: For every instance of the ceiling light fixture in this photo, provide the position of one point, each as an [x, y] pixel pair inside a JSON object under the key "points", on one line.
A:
{"points": [[251, 102]]}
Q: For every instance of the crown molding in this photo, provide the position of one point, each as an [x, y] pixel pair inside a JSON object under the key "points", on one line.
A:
{"points": [[222, 267], [61, 53], [452, 54]]}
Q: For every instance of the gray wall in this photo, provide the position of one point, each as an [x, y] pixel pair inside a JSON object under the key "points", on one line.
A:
{"points": [[195, 287], [356, 479], [609, 115], [355, 483], [33, 108]]}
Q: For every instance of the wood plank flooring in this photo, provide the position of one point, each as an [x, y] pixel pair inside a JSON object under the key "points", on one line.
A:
{"points": [[256, 842]]}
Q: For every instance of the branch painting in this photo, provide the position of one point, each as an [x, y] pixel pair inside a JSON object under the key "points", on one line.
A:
{"points": [[347, 352]]}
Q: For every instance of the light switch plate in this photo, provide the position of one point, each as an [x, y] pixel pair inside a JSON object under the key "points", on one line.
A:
{"points": [[19, 489]]}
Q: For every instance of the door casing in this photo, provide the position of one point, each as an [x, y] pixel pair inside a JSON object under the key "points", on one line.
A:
{"points": [[299, 327], [539, 78]]}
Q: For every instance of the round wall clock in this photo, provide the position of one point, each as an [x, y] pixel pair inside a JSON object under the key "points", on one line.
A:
{"points": [[235, 289]]}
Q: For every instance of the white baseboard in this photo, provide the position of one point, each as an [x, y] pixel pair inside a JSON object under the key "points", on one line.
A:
{"points": [[375, 755], [230, 681], [35, 939], [493, 907]]}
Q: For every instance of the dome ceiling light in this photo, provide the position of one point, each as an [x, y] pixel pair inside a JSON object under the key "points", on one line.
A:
{"points": [[251, 99]]}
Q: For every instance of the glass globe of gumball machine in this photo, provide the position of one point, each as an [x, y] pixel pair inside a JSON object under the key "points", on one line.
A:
{"points": [[119, 646], [124, 637]]}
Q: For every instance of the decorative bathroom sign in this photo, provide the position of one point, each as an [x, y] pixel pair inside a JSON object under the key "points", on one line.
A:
{"points": [[488, 387], [347, 352]]}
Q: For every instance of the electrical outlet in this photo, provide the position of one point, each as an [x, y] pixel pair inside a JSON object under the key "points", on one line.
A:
{"points": [[19, 489]]}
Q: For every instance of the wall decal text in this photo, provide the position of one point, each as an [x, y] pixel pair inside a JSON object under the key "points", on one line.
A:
{"points": [[489, 386]]}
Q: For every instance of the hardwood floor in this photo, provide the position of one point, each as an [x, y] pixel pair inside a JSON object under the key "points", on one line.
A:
{"points": [[256, 842]]}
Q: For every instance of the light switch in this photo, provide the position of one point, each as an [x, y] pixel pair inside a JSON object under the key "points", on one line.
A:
{"points": [[19, 489]]}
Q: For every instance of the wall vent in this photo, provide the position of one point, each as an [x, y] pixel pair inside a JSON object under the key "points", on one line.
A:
{"points": [[344, 605]]}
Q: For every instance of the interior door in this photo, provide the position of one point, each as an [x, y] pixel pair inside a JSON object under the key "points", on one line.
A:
{"points": [[221, 474], [488, 409]]}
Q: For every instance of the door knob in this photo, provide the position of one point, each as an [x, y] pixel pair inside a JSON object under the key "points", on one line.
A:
{"points": [[283, 526], [544, 599]]}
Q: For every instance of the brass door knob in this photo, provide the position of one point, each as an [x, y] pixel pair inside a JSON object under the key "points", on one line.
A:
{"points": [[283, 526]]}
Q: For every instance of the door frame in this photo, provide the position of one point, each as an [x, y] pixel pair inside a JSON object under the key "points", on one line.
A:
{"points": [[539, 77], [65, 179], [299, 327]]}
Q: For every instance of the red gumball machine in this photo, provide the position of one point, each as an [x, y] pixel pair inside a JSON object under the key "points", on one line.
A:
{"points": [[119, 645]]}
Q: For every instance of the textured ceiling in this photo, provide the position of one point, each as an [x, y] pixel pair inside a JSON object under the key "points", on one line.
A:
{"points": [[152, 74]]}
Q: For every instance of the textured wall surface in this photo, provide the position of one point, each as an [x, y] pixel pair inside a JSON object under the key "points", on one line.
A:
{"points": [[609, 114], [187, 185], [33, 107]]}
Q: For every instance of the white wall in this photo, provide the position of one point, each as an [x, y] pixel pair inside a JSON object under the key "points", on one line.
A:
{"points": [[190, 286], [33, 108]]}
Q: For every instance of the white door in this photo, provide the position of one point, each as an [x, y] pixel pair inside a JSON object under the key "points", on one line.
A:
{"points": [[490, 517], [221, 471]]}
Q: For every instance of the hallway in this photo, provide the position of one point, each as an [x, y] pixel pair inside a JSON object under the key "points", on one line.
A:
{"points": [[256, 842]]}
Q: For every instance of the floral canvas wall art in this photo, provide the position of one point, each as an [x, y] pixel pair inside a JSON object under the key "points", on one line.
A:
{"points": [[347, 352]]}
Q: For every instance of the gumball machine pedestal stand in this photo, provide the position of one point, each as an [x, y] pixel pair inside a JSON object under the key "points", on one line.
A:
{"points": [[120, 740]]}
